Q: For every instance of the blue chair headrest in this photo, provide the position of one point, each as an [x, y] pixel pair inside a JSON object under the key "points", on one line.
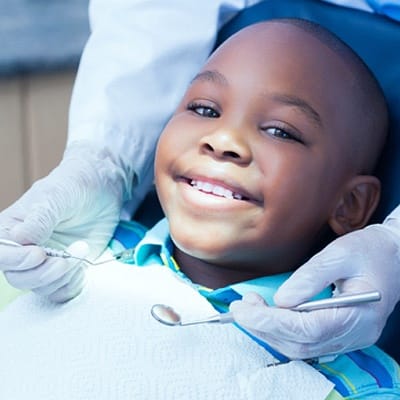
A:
{"points": [[376, 39]]}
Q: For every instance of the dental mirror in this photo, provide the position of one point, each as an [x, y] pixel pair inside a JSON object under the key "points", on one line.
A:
{"points": [[168, 316]]}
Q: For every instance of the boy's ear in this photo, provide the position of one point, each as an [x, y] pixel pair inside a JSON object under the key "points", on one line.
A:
{"points": [[358, 201]]}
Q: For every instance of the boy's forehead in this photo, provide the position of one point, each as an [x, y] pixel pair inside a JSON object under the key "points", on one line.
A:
{"points": [[279, 51], [271, 36]]}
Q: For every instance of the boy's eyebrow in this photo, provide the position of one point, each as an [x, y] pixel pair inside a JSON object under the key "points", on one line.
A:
{"points": [[211, 75], [287, 99], [301, 104]]}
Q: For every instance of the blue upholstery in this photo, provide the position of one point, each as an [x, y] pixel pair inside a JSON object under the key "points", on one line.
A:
{"points": [[377, 40]]}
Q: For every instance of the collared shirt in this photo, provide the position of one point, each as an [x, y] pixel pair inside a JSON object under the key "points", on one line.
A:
{"points": [[366, 374]]}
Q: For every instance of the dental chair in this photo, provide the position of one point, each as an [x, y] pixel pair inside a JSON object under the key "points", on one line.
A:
{"points": [[377, 40]]}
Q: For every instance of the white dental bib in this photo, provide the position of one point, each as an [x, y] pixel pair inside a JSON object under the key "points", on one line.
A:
{"points": [[105, 345]]}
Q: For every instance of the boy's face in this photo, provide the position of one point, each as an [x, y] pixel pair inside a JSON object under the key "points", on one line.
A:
{"points": [[249, 167]]}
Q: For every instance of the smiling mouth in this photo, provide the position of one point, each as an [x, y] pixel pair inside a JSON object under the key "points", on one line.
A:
{"points": [[216, 190]]}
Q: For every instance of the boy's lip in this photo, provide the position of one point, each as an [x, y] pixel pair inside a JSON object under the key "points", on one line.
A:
{"points": [[218, 186]]}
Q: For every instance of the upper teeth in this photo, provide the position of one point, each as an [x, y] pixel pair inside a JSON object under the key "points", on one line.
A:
{"points": [[215, 189]]}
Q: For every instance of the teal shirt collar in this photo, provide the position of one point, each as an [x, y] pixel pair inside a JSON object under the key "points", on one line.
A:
{"points": [[156, 247]]}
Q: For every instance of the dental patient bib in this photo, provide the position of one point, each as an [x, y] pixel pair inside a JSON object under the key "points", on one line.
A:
{"points": [[105, 344]]}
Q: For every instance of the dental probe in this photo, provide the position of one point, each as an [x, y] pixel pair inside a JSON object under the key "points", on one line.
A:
{"points": [[125, 256], [49, 251]]}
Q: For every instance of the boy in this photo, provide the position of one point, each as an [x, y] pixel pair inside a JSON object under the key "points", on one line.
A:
{"points": [[269, 152]]}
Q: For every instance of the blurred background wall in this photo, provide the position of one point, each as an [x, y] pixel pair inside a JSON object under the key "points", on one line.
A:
{"points": [[40, 45]]}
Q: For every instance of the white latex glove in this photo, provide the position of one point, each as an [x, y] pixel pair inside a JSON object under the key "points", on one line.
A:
{"points": [[360, 261], [81, 199]]}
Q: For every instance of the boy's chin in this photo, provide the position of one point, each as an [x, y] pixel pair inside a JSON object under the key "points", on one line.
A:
{"points": [[213, 253], [197, 250]]}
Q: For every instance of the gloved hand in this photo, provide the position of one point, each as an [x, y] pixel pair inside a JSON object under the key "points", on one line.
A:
{"points": [[364, 260], [80, 199], [59, 279]]}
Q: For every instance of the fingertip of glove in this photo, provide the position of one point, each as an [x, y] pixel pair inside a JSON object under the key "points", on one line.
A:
{"points": [[253, 299], [283, 299], [244, 307], [79, 249], [294, 291]]}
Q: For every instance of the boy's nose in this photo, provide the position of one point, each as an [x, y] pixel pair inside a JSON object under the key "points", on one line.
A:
{"points": [[226, 145]]}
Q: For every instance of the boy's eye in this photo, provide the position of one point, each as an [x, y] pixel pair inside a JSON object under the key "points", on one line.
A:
{"points": [[203, 110], [281, 133]]}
